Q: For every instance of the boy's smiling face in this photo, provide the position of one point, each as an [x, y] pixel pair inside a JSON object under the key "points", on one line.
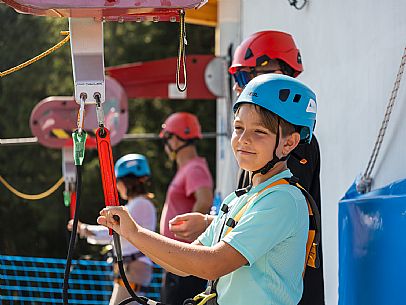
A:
{"points": [[253, 144]]}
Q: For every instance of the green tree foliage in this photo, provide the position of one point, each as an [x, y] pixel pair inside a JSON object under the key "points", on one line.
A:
{"points": [[37, 228]]}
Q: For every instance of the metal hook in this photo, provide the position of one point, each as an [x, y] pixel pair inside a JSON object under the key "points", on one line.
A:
{"points": [[294, 4]]}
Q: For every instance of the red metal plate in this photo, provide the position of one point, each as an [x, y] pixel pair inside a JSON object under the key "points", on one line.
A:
{"points": [[111, 10], [152, 79], [54, 118]]}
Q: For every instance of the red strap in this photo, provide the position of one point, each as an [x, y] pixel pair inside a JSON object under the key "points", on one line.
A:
{"points": [[72, 204], [107, 168]]}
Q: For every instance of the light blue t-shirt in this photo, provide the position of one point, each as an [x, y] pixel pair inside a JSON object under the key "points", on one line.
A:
{"points": [[272, 236]]}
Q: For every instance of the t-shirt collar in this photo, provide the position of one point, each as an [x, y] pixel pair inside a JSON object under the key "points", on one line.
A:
{"points": [[284, 174]]}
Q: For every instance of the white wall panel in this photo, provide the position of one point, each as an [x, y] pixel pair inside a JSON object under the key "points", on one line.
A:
{"points": [[351, 52]]}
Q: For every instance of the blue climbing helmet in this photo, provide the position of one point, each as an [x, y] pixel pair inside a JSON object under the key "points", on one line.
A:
{"points": [[286, 97], [132, 164]]}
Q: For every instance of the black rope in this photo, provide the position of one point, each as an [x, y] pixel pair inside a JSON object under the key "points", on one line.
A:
{"points": [[72, 241], [134, 296]]}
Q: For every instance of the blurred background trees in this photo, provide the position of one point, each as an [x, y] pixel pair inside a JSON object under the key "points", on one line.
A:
{"points": [[38, 228]]}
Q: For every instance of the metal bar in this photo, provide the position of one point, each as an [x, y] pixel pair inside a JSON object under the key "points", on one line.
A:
{"points": [[19, 141], [153, 136], [127, 137]]}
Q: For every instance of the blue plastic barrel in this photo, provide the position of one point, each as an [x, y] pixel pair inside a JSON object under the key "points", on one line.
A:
{"points": [[372, 246]]}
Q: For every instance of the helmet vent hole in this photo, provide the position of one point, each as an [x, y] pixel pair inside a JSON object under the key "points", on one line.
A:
{"points": [[297, 97], [248, 54], [284, 94], [263, 60]]}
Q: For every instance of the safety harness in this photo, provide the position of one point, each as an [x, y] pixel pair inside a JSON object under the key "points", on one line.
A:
{"points": [[209, 296], [128, 259]]}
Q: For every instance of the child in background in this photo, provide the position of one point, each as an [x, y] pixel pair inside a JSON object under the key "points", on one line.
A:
{"points": [[133, 174]]}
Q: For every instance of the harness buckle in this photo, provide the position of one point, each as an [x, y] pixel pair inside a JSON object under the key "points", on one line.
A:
{"points": [[231, 223], [224, 208], [200, 299], [293, 180]]}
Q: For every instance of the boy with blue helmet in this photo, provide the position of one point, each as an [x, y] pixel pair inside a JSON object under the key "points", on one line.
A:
{"points": [[267, 52], [255, 249], [133, 174]]}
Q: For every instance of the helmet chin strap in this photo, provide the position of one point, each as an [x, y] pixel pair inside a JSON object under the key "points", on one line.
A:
{"points": [[174, 152], [266, 168]]}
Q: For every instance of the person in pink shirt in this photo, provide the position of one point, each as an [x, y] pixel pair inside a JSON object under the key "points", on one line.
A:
{"points": [[191, 190]]}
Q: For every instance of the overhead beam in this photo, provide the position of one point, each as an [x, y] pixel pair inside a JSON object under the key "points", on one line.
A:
{"points": [[206, 15]]}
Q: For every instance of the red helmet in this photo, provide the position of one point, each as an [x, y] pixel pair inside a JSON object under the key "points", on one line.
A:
{"points": [[260, 47], [182, 124]]}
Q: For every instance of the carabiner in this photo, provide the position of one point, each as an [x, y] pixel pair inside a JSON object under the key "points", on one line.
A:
{"points": [[200, 299], [81, 112], [99, 110]]}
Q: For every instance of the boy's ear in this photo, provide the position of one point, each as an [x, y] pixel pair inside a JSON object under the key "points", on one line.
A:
{"points": [[290, 143]]}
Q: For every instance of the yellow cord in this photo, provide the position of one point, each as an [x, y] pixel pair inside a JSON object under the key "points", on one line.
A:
{"points": [[32, 197], [181, 52], [40, 56]]}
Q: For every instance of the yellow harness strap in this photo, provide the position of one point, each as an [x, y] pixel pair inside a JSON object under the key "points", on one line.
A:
{"points": [[134, 286], [251, 199], [311, 247]]}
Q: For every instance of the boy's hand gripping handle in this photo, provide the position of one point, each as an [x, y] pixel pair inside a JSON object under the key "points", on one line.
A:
{"points": [[107, 168]]}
